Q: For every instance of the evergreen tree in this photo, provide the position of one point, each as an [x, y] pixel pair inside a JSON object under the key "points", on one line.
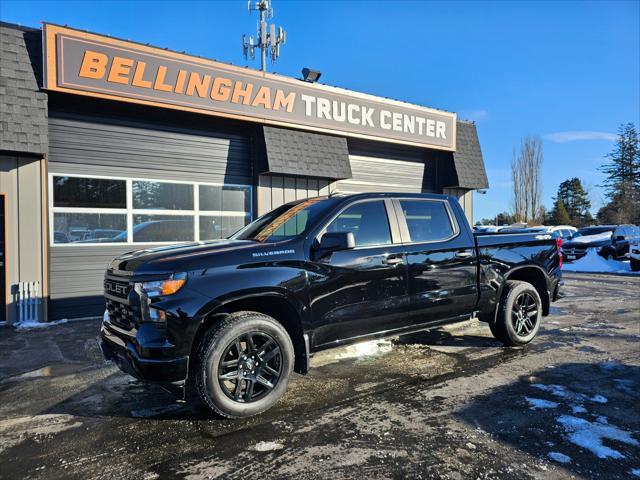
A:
{"points": [[576, 203], [559, 214], [623, 169], [623, 179]]}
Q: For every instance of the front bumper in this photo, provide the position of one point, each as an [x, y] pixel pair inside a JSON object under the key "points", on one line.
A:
{"points": [[123, 353]]}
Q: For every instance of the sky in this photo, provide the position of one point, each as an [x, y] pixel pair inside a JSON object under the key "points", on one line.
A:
{"points": [[568, 72]]}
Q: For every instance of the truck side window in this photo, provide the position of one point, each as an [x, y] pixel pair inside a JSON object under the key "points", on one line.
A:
{"points": [[367, 221], [427, 221]]}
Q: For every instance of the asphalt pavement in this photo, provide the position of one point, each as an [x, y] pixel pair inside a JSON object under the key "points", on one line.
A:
{"points": [[449, 403]]}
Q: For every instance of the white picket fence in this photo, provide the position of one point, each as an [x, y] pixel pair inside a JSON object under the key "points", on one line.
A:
{"points": [[27, 301]]}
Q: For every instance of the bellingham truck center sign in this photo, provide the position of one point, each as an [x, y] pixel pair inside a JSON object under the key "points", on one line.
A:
{"points": [[88, 64]]}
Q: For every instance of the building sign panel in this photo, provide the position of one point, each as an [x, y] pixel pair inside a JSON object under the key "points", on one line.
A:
{"points": [[89, 64]]}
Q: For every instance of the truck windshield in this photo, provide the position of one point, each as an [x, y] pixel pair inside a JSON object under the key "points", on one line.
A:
{"points": [[285, 222]]}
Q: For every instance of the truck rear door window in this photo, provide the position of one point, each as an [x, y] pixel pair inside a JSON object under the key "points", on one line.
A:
{"points": [[427, 221]]}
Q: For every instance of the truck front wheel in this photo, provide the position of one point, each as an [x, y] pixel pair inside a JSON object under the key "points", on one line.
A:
{"points": [[519, 314], [635, 265], [243, 364]]}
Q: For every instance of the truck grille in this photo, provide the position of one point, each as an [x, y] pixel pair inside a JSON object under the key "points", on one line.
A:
{"points": [[116, 288], [121, 315]]}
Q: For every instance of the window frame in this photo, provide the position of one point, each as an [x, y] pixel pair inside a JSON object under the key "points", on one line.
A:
{"points": [[404, 227], [392, 221], [129, 211]]}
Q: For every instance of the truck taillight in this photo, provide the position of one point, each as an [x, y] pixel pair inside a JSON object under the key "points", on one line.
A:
{"points": [[559, 247]]}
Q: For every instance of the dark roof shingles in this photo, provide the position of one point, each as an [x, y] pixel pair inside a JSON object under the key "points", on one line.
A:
{"points": [[23, 106], [294, 152], [467, 158]]}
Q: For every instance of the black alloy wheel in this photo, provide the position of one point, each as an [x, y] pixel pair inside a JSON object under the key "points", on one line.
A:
{"points": [[524, 314], [243, 363], [519, 314], [250, 367]]}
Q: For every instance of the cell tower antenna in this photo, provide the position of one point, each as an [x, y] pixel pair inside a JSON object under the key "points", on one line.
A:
{"points": [[268, 38]]}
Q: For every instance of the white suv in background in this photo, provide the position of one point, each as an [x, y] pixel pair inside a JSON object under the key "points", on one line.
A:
{"points": [[634, 253]]}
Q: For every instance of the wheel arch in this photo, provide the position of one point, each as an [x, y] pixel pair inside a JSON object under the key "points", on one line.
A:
{"points": [[274, 304], [535, 276]]}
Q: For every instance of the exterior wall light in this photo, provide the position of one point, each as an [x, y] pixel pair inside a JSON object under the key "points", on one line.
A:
{"points": [[309, 75]]}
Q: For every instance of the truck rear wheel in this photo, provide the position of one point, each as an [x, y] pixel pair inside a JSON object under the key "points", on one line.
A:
{"points": [[519, 314], [243, 364]]}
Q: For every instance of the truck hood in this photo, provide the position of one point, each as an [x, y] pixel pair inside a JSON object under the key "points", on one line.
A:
{"points": [[183, 256]]}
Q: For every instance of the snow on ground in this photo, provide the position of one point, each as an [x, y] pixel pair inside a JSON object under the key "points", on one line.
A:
{"points": [[559, 457], [592, 262], [536, 403], [36, 324], [590, 435], [267, 446]]}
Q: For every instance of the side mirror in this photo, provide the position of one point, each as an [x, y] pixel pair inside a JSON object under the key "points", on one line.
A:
{"points": [[334, 241], [619, 238]]}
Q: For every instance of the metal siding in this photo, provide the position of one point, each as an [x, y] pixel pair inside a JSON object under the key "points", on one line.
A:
{"points": [[79, 145], [383, 175], [85, 146]]}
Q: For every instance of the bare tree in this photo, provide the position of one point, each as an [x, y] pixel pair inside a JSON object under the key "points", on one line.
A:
{"points": [[526, 169], [518, 188]]}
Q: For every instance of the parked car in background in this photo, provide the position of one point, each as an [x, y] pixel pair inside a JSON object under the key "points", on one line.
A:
{"points": [[486, 228], [565, 232], [79, 234], [60, 237], [610, 241], [634, 253], [619, 247], [108, 233]]}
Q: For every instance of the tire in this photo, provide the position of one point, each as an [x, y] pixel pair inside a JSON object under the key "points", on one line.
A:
{"points": [[510, 325], [497, 331], [608, 255], [635, 265], [230, 341]]}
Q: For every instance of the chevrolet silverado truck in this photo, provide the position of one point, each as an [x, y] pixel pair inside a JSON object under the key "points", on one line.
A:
{"points": [[230, 320]]}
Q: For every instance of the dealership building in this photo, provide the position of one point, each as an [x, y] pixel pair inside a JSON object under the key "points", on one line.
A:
{"points": [[108, 146]]}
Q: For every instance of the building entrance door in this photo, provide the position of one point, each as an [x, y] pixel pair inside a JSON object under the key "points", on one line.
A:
{"points": [[3, 263]]}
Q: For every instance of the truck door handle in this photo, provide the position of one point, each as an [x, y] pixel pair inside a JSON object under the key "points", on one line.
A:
{"points": [[463, 254], [393, 260]]}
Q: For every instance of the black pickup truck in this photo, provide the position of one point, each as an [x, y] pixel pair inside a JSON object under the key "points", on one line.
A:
{"points": [[232, 319]]}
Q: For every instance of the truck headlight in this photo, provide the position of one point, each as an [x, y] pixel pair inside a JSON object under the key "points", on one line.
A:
{"points": [[157, 288], [162, 287]]}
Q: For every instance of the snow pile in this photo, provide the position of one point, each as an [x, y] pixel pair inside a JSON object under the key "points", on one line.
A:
{"points": [[592, 262], [28, 325]]}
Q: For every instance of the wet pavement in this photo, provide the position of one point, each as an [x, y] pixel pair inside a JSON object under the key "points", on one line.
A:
{"points": [[450, 403]]}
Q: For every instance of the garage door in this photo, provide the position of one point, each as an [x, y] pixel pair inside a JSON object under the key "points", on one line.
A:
{"points": [[373, 174]]}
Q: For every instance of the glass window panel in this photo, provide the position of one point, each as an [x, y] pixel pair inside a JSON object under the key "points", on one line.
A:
{"points": [[427, 221], [368, 222], [89, 192], [213, 227], [210, 197], [235, 199], [162, 228], [89, 228], [225, 198], [162, 196]]}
